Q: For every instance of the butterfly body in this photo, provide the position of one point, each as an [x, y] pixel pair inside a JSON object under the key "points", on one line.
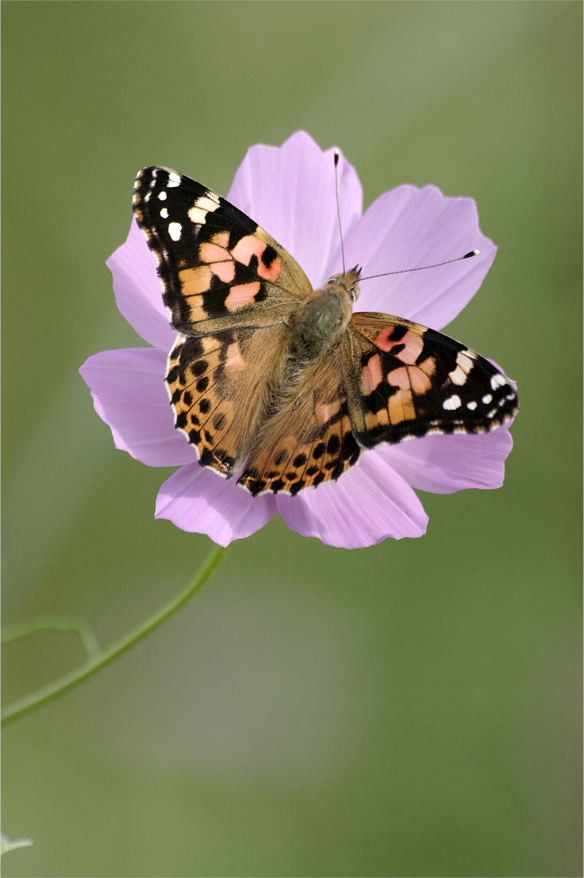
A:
{"points": [[282, 385], [323, 317]]}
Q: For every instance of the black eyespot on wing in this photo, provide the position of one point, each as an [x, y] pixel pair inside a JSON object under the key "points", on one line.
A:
{"points": [[319, 450], [199, 368], [349, 447], [333, 444]]}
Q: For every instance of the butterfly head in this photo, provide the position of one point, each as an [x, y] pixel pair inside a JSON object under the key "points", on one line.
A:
{"points": [[348, 281]]}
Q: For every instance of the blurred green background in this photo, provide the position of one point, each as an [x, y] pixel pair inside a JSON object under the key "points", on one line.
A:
{"points": [[406, 710]]}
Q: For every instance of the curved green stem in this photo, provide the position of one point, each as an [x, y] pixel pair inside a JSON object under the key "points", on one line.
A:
{"points": [[54, 690], [54, 623]]}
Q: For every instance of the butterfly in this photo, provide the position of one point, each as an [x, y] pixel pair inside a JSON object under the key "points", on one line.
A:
{"points": [[282, 385]]}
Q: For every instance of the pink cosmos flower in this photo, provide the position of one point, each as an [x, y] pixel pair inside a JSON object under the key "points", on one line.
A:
{"points": [[291, 193]]}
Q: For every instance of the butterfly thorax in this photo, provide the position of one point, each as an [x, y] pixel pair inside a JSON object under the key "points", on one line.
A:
{"points": [[322, 318]]}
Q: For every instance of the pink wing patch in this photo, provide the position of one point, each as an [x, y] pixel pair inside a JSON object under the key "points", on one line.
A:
{"points": [[252, 246], [410, 344]]}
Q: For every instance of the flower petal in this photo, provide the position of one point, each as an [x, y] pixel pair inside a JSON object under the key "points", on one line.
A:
{"points": [[445, 464], [129, 395], [290, 191], [138, 290], [410, 227], [368, 504], [199, 501]]}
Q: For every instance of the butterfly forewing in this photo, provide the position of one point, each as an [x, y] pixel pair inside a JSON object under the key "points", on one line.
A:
{"points": [[218, 267], [406, 381]]}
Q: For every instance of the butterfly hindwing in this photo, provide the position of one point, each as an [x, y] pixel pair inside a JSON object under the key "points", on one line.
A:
{"points": [[219, 389], [405, 381], [309, 439], [218, 268]]}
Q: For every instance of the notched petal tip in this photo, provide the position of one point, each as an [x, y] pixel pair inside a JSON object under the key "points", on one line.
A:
{"points": [[129, 395], [290, 192], [370, 503], [410, 227], [196, 500]]}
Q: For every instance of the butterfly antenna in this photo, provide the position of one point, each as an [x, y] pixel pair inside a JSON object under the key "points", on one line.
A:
{"points": [[424, 267], [336, 155]]}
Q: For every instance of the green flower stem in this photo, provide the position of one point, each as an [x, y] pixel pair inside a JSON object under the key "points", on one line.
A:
{"points": [[54, 690], [54, 623]]}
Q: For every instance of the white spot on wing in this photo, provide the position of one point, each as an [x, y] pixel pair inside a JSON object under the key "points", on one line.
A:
{"points": [[173, 180], [197, 215], [174, 230], [452, 403], [463, 366], [498, 380], [164, 213], [207, 202], [162, 196], [203, 206], [471, 405], [486, 399]]}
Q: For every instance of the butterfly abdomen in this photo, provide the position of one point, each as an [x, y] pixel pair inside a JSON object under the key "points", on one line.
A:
{"points": [[314, 330]]}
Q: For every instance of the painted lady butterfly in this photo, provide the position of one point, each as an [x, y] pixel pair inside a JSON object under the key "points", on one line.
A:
{"points": [[281, 383]]}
